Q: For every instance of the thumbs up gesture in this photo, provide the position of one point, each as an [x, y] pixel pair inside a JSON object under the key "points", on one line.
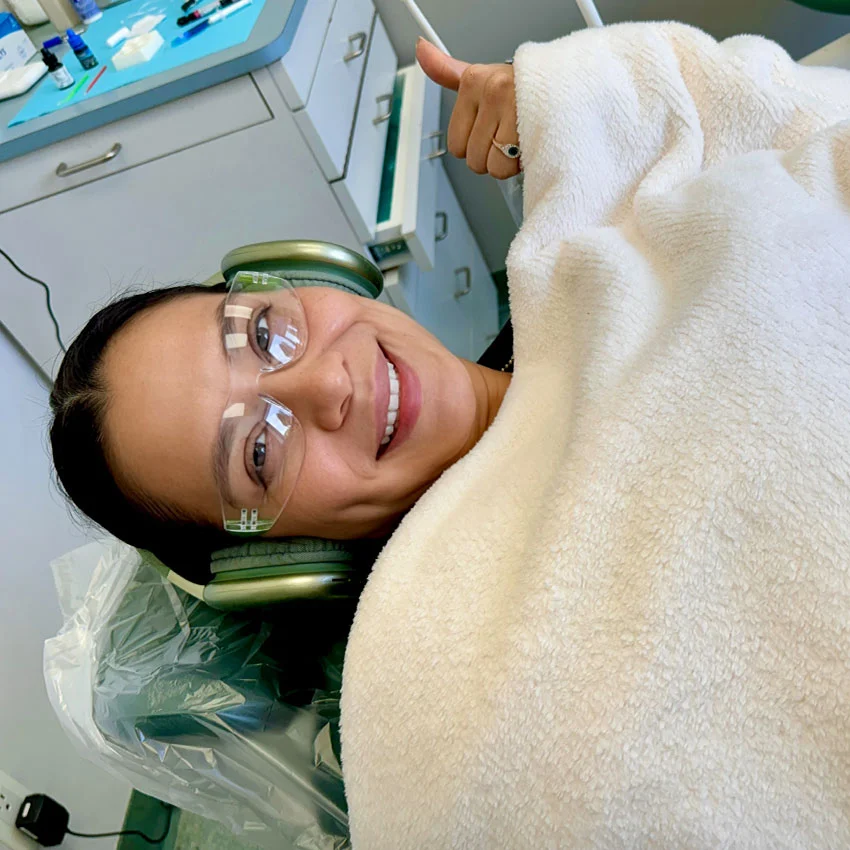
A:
{"points": [[485, 111]]}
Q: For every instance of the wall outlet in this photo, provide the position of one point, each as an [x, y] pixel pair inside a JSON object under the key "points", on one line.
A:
{"points": [[12, 795]]}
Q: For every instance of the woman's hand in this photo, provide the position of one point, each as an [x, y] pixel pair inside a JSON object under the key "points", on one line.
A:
{"points": [[485, 109]]}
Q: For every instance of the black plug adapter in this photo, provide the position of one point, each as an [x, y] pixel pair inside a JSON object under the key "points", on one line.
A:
{"points": [[43, 819]]}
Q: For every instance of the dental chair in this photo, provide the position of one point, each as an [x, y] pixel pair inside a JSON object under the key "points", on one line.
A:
{"points": [[223, 697], [238, 710]]}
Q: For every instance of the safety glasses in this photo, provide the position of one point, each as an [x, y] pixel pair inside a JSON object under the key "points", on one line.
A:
{"points": [[260, 448]]}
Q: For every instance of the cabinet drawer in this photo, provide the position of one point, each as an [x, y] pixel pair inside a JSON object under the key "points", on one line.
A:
{"points": [[328, 117], [162, 222], [460, 266], [296, 70], [358, 190], [457, 300], [430, 300], [405, 228], [174, 126]]}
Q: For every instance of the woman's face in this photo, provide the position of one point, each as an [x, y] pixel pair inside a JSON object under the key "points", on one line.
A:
{"points": [[167, 381]]}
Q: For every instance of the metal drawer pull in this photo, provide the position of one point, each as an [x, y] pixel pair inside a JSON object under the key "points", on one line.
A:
{"points": [[443, 232], [384, 116], [357, 51], [442, 150], [65, 170], [465, 270]]}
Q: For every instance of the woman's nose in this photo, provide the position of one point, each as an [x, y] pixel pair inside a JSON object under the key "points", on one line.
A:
{"points": [[317, 391]]}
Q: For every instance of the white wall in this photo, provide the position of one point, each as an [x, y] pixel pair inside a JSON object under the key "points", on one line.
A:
{"points": [[35, 527], [490, 32]]}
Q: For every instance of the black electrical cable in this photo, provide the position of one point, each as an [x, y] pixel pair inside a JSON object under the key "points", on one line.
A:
{"points": [[129, 832], [21, 272]]}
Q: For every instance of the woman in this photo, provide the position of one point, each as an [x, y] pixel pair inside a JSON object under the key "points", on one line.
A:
{"points": [[149, 478], [617, 615]]}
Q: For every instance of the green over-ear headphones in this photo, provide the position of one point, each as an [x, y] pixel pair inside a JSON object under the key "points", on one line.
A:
{"points": [[302, 569]]}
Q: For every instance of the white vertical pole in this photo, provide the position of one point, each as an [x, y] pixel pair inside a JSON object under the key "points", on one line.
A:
{"points": [[589, 13], [425, 25]]}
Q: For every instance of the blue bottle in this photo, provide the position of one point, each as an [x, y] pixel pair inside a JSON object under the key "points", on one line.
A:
{"points": [[81, 50]]}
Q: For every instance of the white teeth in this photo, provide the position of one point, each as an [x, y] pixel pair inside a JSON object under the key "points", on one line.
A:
{"points": [[392, 407]]}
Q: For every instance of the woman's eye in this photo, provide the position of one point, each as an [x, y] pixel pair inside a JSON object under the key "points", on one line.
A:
{"points": [[262, 334], [259, 455]]}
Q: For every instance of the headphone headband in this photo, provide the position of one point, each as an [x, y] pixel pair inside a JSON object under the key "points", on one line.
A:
{"points": [[310, 262]]}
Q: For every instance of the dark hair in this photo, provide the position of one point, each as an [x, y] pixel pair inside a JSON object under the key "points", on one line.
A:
{"points": [[78, 402]]}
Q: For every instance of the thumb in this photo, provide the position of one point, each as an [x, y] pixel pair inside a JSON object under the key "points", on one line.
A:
{"points": [[439, 66]]}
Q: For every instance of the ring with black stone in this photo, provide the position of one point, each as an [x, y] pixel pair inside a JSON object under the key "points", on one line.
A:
{"points": [[509, 150]]}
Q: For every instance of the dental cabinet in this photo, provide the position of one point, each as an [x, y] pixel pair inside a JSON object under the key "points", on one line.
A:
{"points": [[295, 149]]}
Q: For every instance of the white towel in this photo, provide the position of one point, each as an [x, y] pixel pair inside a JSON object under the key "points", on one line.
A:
{"points": [[623, 620]]}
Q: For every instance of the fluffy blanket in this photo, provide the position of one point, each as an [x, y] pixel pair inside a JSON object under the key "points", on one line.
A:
{"points": [[623, 620]]}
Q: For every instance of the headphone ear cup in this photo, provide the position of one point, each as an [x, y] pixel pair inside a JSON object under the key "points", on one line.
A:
{"points": [[295, 569], [305, 262], [298, 554]]}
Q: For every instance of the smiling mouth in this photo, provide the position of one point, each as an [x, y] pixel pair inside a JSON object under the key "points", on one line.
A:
{"points": [[393, 406]]}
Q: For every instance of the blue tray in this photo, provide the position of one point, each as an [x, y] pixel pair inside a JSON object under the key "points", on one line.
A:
{"points": [[46, 98]]}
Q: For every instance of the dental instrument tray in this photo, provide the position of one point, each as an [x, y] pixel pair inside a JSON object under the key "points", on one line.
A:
{"points": [[46, 98]]}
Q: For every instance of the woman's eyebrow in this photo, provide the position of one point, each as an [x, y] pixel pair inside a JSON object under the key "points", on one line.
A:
{"points": [[221, 322], [221, 459], [223, 447]]}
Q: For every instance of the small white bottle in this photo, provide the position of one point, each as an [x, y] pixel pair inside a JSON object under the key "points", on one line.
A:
{"points": [[61, 75]]}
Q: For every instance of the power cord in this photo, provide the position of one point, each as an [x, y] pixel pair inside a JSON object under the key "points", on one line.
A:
{"points": [[21, 272], [129, 832], [46, 822]]}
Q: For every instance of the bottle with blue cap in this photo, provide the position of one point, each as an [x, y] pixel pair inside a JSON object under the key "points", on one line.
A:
{"points": [[81, 50]]}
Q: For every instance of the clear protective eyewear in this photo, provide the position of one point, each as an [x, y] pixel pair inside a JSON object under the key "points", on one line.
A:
{"points": [[260, 447]]}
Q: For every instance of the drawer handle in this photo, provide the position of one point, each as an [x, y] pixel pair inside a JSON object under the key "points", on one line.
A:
{"points": [[355, 51], [443, 232], [442, 150], [384, 116], [65, 170], [467, 273]]}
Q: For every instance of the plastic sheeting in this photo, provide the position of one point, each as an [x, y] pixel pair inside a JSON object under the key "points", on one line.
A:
{"points": [[232, 717], [512, 193]]}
